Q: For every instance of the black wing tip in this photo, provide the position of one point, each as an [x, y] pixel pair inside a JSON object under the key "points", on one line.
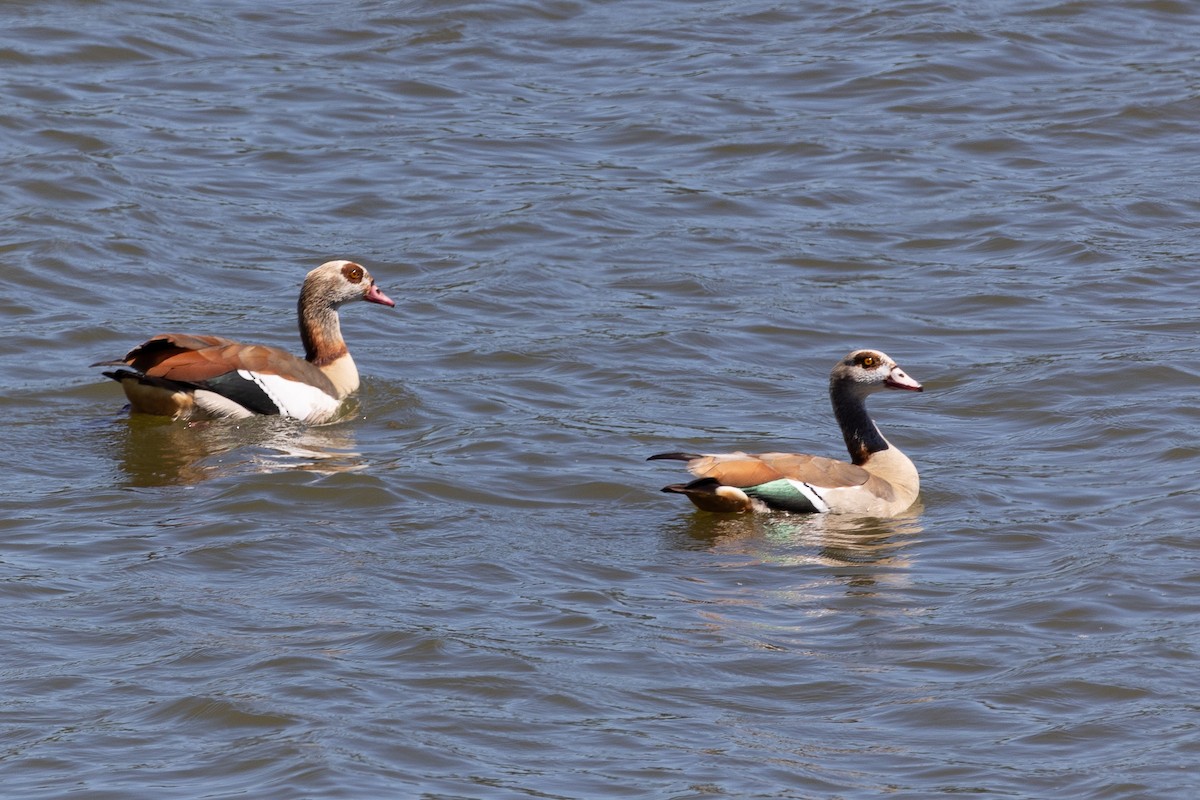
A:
{"points": [[698, 486], [248, 393], [674, 457], [121, 375], [117, 375]]}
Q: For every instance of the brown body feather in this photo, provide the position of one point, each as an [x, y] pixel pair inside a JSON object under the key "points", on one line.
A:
{"points": [[191, 358], [882, 481], [747, 469], [168, 370]]}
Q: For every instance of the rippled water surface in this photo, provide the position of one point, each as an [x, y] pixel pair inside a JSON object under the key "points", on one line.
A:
{"points": [[612, 229]]}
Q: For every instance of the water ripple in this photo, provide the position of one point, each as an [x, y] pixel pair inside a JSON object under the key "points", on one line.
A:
{"points": [[611, 229]]}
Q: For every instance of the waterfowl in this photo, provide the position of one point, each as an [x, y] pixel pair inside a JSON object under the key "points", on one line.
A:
{"points": [[878, 481], [187, 376]]}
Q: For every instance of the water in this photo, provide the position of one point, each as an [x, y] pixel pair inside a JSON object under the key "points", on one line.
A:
{"points": [[611, 229]]}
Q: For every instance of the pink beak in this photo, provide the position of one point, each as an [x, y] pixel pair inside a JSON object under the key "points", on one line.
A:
{"points": [[896, 379], [373, 295]]}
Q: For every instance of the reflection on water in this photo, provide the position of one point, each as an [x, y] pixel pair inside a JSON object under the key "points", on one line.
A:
{"points": [[152, 451], [787, 578], [657, 223], [860, 554], [824, 539]]}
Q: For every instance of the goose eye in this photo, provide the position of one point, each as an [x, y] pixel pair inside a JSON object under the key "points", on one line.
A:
{"points": [[868, 361], [353, 273]]}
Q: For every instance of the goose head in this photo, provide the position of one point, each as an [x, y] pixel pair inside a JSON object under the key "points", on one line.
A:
{"points": [[337, 282], [865, 372]]}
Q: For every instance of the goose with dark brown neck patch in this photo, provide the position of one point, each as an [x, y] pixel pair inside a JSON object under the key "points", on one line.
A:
{"points": [[880, 480], [188, 376]]}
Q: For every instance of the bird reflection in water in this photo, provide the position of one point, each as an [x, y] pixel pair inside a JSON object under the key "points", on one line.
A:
{"points": [[782, 579], [152, 451], [862, 553]]}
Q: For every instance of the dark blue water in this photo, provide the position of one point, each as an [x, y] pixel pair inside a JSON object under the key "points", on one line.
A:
{"points": [[611, 229]]}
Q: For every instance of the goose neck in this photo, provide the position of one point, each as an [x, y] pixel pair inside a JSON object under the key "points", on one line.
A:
{"points": [[860, 431], [321, 332]]}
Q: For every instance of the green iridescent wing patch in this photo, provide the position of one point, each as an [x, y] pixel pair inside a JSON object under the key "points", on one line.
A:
{"points": [[788, 495]]}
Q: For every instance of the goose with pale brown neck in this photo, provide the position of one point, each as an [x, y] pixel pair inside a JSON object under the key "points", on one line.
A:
{"points": [[187, 376], [879, 481]]}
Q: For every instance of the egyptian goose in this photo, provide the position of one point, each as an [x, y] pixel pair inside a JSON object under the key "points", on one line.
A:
{"points": [[880, 482], [185, 376]]}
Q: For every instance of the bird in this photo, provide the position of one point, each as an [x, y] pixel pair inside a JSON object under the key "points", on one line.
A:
{"points": [[879, 480], [188, 376]]}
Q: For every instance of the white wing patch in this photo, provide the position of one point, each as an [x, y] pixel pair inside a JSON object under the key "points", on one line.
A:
{"points": [[220, 406], [293, 398], [811, 493]]}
